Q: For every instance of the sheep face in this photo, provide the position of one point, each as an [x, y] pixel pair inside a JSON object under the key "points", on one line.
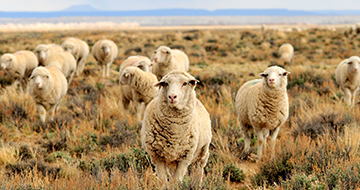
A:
{"points": [[176, 88], [275, 77], [353, 64], [6, 61], [105, 48], [144, 65], [162, 55], [41, 52], [70, 47], [126, 76], [39, 77]]}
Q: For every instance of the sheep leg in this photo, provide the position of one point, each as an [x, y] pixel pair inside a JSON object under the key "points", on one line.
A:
{"points": [[353, 97], [347, 96], [274, 135], [180, 171], [69, 78], [247, 138], [140, 107], [82, 64], [108, 69], [52, 112], [199, 165], [161, 172], [42, 112], [103, 71], [261, 139]]}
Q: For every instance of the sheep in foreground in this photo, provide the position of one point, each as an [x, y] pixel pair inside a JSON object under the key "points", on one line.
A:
{"points": [[104, 51], [137, 86], [139, 61], [47, 87], [166, 60], [63, 61], [19, 65], [44, 51], [262, 106], [176, 129], [348, 78], [79, 49], [286, 52]]}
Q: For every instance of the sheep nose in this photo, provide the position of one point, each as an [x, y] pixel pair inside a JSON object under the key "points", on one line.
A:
{"points": [[155, 59], [173, 97], [356, 69], [37, 84], [271, 80]]}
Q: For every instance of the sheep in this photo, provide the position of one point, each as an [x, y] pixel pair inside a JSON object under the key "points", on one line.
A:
{"points": [[65, 62], [19, 65], [286, 52], [79, 49], [262, 106], [176, 129], [47, 87], [348, 78], [166, 60], [137, 86], [139, 61], [43, 51], [105, 51]]}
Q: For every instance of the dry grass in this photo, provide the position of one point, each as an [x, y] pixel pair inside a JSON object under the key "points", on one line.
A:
{"points": [[94, 144]]}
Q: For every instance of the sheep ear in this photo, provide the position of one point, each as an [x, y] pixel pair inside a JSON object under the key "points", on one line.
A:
{"points": [[263, 75], [194, 82], [286, 73], [160, 84]]}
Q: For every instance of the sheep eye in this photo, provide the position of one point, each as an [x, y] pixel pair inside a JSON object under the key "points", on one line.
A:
{"points": [[280, 74], [185, 83], [154, 51]]}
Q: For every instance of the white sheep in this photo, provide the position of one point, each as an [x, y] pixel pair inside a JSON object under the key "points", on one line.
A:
{"points": [[286, 52], [105, 51], [176, 129], [165, 60], [79, 49], [137, 86], [348, 78], [65, 62], [19, 65], [47, 87], [43, 51], [262, 105], [139, 61]]}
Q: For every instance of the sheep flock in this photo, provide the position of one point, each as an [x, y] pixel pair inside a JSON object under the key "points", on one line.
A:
{"points": [[177, 98]]}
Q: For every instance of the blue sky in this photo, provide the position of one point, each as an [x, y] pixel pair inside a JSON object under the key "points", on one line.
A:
{"points": [[54, 5]]}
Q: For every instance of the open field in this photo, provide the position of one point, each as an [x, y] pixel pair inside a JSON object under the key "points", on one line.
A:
{"points": [[94, 144]]}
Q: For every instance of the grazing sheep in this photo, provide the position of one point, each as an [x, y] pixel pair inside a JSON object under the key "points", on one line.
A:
{"points": [[348, 78], [286, 52], [176, 129], [139, 61], [47, 86], [63, 61], [166, 60], [19, 65], [263, 106], [79, 49], [137, 86], [105, 52], [43, 51]]}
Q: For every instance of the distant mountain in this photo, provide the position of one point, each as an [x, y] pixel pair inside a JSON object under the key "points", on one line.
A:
{"points": [[80, 8], [88, 10]]}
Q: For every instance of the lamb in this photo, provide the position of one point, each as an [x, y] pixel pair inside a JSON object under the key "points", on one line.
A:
{"points": [[262, 106], [105, 51], [79, 49], [139, 61], [63, 61], [137, 86], [176, 129], [19, 65], [47, 87], [348, 78], [166, 60], [286, 52], [44, 51]]}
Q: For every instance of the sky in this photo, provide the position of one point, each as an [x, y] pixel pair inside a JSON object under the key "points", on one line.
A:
{"points": [[56, 5]]}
